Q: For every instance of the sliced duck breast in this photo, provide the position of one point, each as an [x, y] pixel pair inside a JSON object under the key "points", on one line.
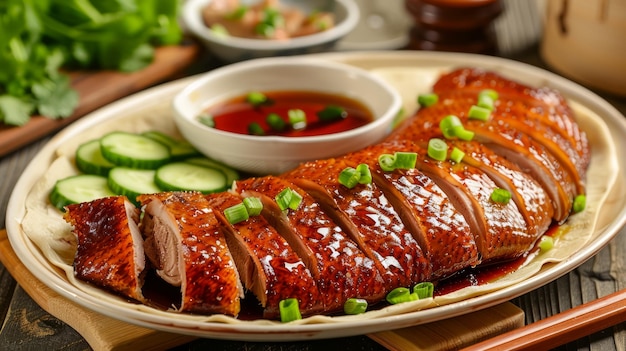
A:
{"points": [[110, 250], [341, 269], [500, 230], [266, 263], [365, 212], [531, 198], [189, 250], [511, 144], [441, 230], [522, 103]]}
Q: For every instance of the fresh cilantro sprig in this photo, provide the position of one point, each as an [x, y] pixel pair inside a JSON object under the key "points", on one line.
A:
{"points": [[40, 37]]}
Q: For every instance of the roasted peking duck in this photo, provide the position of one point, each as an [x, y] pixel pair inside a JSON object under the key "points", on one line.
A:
{"points": [[337, 241]]}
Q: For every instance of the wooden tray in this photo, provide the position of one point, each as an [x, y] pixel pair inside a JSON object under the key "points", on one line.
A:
{"points": [[104, 333], [97, 89]]}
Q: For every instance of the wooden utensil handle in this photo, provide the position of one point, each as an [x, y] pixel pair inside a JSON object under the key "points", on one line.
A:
{"points": [[561, 328]]}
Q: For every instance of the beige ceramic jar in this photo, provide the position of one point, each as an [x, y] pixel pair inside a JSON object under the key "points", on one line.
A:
{"points": [[586, 41]]}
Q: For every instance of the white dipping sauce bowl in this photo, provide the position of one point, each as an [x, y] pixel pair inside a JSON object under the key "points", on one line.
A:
{"points": [[277, 154]]}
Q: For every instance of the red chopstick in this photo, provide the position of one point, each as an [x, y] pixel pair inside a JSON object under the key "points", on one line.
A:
{"points": [[561, 328]]}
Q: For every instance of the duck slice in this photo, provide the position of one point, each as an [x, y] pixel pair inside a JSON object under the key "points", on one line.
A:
{"points": [[266, 263], [185, 244], [507, 142], [367, 215], [500, 230], [341, 269], [571, 151], [441, 230], [110, 250], [531, 198]]}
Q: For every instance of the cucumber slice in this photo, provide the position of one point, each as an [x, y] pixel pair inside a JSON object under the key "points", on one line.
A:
{"points": [[79, 188], [186, 176], [230, 173], [134, 150], [132, 182], [179, 149], [89, 159]]}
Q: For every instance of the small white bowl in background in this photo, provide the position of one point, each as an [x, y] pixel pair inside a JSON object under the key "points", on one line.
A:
{"points": [[278, 154], [234, 49]]}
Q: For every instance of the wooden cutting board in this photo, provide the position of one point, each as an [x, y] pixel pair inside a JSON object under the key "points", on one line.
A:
{"points": [[104, 333], [98, 88]]}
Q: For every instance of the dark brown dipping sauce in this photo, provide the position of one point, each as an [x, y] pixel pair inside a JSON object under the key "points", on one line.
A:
{"points": [[237, 114]]}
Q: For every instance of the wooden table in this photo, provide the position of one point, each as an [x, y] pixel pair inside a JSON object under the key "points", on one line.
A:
{"points": [[27, 327]]}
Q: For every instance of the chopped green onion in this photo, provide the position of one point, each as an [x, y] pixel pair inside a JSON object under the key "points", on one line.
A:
{"points": [[264, 29], [219, 30], [349, 177], [355, 306], [399, 295], [207, 120], [437, 149], [295, 201], [236, 213], [449, 124], [501, 196], [405, 160], [485, 101], [237, 13], [276, 122], [253, 205], [256, 98], [457, 155], [288, 198], [332, 113], [546, 243], [386, 162], [580, 202], [424, 290], [255, 129], [479, 113], [399, 160], [365, 173], [271, 20], [489, 92], [273, 17], [289, 310], [297, 118], [426, 100], [462, 133]]}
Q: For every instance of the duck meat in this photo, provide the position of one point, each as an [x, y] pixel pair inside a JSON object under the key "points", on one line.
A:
{"points": [[512, 144], [188, 249], [267, 265], [110, 250], [341, 269], [441, 230], [367, 215]]}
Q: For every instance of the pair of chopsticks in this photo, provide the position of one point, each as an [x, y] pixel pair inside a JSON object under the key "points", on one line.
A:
{"points": [[561, 328]]}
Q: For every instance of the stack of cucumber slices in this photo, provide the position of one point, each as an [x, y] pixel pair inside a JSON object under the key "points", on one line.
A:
{"points": [[122, 163]]}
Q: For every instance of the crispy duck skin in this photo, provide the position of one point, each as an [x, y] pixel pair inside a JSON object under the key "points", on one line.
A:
{"points": [[110, 250], [505, 141], [531, 199], [366, 214], [544, 110], [191, 251], [340, 268], [500, 231], [508, 114], [440, 229], [267, 265]]}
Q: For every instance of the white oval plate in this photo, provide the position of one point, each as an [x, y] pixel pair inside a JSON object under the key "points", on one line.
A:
{"points": [[411, 73]]}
